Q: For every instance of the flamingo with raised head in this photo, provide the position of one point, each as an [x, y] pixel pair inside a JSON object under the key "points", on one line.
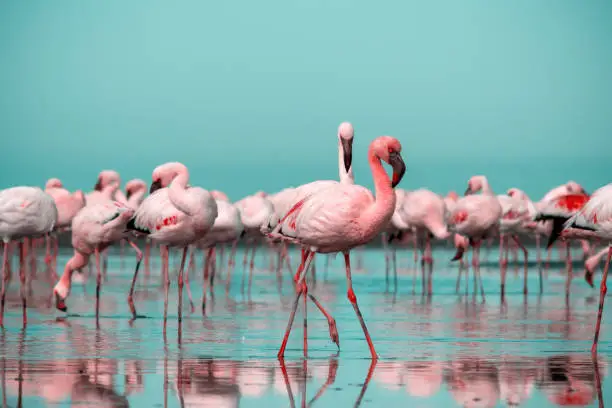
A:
{"points": [[174, 215], [25, 213], [135, 191], [341, 218]]}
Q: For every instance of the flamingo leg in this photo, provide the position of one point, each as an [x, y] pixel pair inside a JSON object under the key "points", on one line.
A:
{"points": [[394, 264], [121, 254], [165, 261], [520, 245], [213, 269], [98, 283], [5, 280], [180, 285], [191, 306], [251, 266], [230, 267], [603, 289], [147, 258], [131, 294], [23, 253], [302, 273], [206, 261], [305, 298], [48, 256], [353, 299]]}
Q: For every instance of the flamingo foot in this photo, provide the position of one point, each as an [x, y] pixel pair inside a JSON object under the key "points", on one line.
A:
{"points": [[588, 277], [458, 254]]}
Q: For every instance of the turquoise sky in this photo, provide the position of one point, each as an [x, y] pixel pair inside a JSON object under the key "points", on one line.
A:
{"points": [[248, 94]]}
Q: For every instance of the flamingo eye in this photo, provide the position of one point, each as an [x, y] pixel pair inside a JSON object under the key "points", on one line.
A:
{"points": [[391, 150]]}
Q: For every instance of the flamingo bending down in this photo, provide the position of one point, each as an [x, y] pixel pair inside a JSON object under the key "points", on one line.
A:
{"points": [[25, 212], [254, 212], [476, 216], [594, 220], [425, 211], [68, 205], [341, 218], [558, 211], [174, 215], [94, 228]]}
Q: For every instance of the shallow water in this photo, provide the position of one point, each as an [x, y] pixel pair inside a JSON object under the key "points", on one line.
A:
{"points": [[441, 351]]}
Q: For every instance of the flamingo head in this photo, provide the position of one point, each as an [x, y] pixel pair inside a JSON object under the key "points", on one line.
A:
{"points": [[261, 194], [134, 186], [388, 149], [219, 195], [345, 137], [574, 188], [105, 178], [165, 173], [53, 183], [475, 184], [453, 196]]}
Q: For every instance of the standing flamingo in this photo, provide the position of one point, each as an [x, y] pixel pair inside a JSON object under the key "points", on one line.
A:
{"points": [[594, 220], [341, 218], [227, 228], [476, 217], [254, 212], [25, 212], [94, 228], [174, 215]]}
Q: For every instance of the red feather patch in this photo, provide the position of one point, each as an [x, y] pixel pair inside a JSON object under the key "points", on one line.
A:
{"points": [[166, 222], [572, 202]]}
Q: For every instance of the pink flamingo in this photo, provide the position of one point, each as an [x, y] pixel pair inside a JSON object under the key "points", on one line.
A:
{"points": [[176, 215], [68, 205], [25, 213], [227, 229], [106, 178], [545, 227], [476, 217], [341, 218], [558, 211], [254, 212], [425, 211], [135, 191], [460, 242], [594, 220], [94, 228]]}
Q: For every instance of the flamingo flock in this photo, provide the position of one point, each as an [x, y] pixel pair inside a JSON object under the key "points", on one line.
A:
{"points": [[324, 216]]}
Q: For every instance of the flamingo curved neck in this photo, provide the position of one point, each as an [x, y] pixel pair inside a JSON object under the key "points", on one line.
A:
{"points": [[178, 195], [486, 188], [378, 215], [346, 177]]}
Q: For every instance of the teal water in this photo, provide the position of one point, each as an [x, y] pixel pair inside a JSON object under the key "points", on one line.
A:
{"points": [[450, 349]]}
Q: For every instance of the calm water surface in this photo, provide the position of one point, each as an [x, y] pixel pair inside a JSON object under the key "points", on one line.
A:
{"points": [[441, 351]]}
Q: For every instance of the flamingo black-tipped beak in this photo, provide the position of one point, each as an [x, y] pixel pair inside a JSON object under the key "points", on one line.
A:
{"points": [[347, 148], [98, 186], [468, 191], [59, 303], [156, 185], [557, 229], [399, 168]]}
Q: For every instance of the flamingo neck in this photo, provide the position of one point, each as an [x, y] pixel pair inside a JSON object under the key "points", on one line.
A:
{"points": [[378, 215], [178, 194], [346, 177], [486, 188]]}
